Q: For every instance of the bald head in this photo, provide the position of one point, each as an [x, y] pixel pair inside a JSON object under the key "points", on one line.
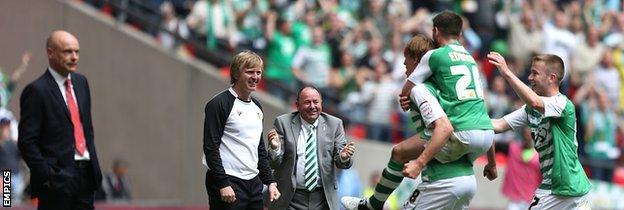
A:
{"points": [[59, 36], [63, 48]]}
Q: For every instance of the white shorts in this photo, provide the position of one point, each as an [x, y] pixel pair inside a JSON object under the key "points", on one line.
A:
{"points": [[446, 194], [544, 200], [472, 142]]}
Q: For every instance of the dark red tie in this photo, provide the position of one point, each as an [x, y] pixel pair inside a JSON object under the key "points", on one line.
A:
{"points": [[75, 118]]}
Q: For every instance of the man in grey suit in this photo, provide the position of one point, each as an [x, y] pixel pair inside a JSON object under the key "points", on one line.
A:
{"points": [[304, 147]]}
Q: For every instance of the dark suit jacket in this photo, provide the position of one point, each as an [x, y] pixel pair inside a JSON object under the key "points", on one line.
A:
{"points": [[46, 136], [330, 137]]}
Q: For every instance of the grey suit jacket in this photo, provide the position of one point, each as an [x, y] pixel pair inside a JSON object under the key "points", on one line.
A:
{"points": [[330, 141]]}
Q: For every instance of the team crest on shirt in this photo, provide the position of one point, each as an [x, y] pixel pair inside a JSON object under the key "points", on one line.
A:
{"points": [[239, 112], [259, 115], [425, 109]]}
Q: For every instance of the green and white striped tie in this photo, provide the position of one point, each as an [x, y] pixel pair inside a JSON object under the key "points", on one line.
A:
{"points": [[311, 166]]}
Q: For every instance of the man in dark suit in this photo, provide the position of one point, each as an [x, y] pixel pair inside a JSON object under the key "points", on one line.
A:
{"points": [[56, 132], [305, 148]]}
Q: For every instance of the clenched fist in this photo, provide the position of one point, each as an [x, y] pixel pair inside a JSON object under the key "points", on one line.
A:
{"points": [[404, 101], [227, 194]]}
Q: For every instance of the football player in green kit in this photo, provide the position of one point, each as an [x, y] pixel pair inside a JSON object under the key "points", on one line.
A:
{"points": [[448, 178], [454, 72], [551, 117]]}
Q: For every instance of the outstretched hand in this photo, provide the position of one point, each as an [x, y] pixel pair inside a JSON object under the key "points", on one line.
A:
{"points": [[498, 60]]}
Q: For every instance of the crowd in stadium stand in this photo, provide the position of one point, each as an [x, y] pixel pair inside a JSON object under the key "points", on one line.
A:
{"points": [[353, 52]]}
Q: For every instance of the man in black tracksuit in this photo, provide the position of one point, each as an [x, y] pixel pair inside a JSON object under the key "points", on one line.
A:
{"points": [[238, 163]]}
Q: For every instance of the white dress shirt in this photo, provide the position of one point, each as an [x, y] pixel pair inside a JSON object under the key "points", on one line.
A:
{"points": [[60, 81]]}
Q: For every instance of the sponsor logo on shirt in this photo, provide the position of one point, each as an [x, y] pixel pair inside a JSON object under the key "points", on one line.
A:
{"points": [[425, 109]]}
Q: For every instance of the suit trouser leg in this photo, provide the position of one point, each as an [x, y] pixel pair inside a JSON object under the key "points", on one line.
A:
{"points": [[304, 200], [53, 200], [77, 194], [85, 196]]}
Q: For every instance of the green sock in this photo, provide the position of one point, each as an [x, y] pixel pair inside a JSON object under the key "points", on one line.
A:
{"points": [[390, 180]]}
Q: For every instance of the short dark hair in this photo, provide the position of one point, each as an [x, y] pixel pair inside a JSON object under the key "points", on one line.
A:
{"points": [[308, 86], [448, 23], [5, 121]]}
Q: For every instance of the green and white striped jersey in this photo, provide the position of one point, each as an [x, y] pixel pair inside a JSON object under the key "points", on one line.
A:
{"points": [[424, 110], [554, 137]]}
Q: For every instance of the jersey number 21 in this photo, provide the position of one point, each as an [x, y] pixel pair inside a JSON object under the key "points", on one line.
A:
{"points": [[467, 76]]}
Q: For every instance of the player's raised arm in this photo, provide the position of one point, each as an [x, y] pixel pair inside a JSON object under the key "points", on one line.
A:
{"points": [[522, 90]]}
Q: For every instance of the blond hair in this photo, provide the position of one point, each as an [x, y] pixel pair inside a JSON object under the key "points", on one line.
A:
{"points": [[244, 60]]}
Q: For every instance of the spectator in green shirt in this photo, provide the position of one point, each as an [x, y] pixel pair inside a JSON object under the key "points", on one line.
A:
{"points": [[280, 52]]}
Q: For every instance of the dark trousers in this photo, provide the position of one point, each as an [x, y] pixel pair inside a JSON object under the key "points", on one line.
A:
{"points": [[304, 199], [78, 195], [248, 194]]}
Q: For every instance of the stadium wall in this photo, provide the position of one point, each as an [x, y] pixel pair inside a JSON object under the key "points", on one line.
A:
{"points": [[147, 103]]}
